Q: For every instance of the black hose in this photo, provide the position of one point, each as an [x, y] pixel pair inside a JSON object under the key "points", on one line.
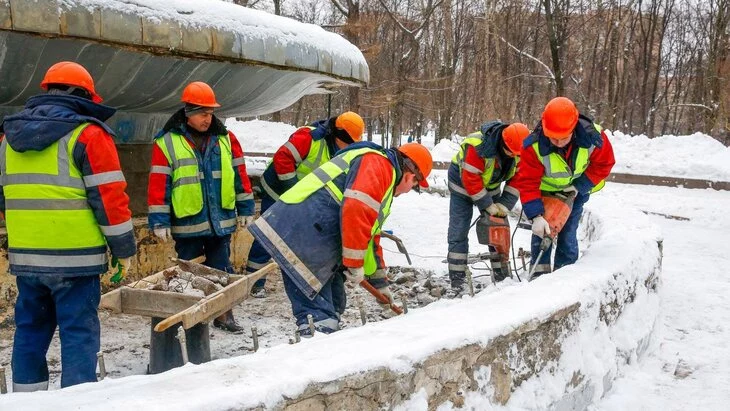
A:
{"points": [[512, 244]]}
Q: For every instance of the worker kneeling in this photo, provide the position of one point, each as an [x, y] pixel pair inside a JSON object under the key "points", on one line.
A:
{"points": [[326, 228]]}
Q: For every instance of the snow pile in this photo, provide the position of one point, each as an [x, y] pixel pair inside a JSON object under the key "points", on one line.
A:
{"points": [[249, 23], [445, 150], [258, 136], [694, 156], [272, 375]]}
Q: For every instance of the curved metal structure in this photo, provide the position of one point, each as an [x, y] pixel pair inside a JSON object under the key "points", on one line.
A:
{"points": [[141, 61]]}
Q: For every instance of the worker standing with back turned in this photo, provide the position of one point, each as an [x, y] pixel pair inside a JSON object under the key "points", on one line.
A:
{"points": [[64, 202]]}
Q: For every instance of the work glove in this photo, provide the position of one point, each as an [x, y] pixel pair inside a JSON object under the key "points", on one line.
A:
{"points": [[120, 266], [245, 220], [380, 281], [356, 275], [163, 233], [540, 226], [495, 210]]}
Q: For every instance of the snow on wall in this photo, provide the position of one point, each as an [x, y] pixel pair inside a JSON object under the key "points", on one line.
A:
{"points": [[555, 342]]}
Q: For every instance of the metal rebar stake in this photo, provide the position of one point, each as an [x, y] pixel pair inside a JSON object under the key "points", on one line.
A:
{"points": [[363, 316], [102, 366], [183, 344], [469, 282], [521, 253], [310, 321], [404, 302], [3, 381], [255, 336]]}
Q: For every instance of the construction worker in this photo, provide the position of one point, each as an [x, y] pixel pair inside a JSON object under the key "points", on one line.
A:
{"points": [[566, 153], [308, 148], [327, 227], [485, 160], [64, 201], [199, 190]]}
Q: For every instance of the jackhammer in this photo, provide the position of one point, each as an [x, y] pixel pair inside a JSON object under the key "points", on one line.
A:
{"points": [[494, 232], [557, 210]]}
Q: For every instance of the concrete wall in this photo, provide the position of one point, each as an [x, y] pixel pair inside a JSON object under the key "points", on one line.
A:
{"points": [[153, 255]]}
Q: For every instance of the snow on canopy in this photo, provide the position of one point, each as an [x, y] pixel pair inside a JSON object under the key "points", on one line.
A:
{"points": [[249, 23]]}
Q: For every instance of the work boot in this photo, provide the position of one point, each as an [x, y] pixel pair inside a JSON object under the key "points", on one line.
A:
{"points": [[258, 292], [226, 322]]}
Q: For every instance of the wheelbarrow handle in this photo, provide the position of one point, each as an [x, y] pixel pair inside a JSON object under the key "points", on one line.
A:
{"points": [[380, 297]]}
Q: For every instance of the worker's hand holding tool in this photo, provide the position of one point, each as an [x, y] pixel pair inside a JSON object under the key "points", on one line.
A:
{"points": [[162, 233], [380, 281], [120, 266], [245, 220], [540, 227], [494, 209], [356, 275]]}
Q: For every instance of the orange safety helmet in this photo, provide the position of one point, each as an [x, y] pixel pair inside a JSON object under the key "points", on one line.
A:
{"points": [[70, 74], [559, 118], [513, 136], [352, 123], [200, 94], [422, 157]]}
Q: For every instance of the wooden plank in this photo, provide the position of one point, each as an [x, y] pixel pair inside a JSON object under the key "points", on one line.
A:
{"points": [[153, 303], [217, 303], [112, 301]]}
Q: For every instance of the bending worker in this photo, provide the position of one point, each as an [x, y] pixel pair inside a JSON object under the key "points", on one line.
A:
{"points": [[486, 159], [567, 152], [308, 148], [327, 227]]}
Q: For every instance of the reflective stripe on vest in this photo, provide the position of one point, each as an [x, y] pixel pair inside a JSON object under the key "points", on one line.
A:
{"points": [[187, 192], [558, 175], [318, 155], [474, 139], [324, 176], [45, 200]]}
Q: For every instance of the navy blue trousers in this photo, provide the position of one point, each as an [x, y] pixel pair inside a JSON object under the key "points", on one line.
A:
{"points": [[217, 250], [461, 210], [258, 257], [326, 307], [44, 303], [566, 243]]}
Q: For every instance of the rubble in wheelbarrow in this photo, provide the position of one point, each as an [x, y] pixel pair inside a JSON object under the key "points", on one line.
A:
{"points": [[184, 282]]}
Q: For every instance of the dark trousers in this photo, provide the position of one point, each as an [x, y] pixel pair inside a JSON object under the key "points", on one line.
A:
{"points": [[566, 242], [257, 255], [461, 210], [44, 302], [217, 250], [325, 308]]}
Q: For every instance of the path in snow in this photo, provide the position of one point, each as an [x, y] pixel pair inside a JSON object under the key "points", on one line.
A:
{"points": [[689, 368]]}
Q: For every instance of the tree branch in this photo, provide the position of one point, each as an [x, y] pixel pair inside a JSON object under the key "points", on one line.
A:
{"points": [[341, 7], [528, 55]]}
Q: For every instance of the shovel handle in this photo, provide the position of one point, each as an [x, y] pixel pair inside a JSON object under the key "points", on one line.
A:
{"points": [[380, 297]]}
